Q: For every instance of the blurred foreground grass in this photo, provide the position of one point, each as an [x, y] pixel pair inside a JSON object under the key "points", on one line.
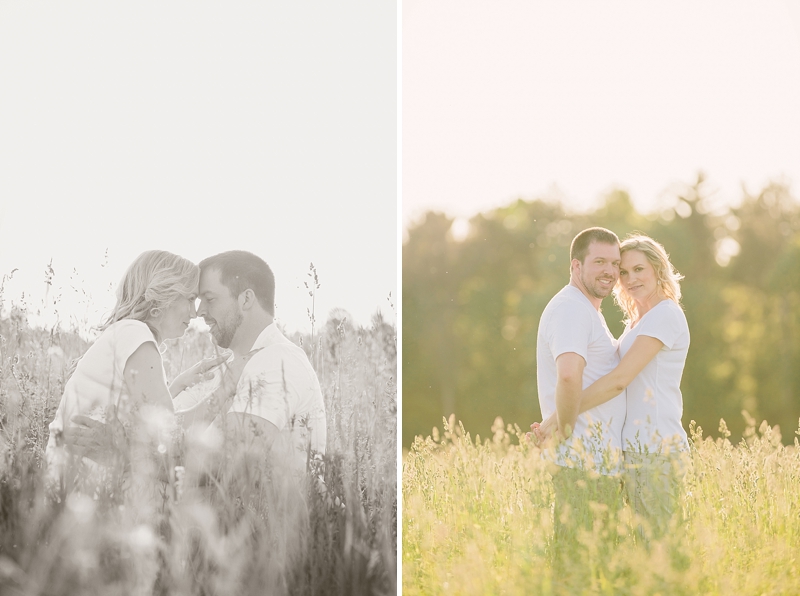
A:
{"points": [[205, 540], [477, 519]]}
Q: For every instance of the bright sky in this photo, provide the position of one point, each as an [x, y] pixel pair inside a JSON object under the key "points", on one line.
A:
{"points": [[199, 127], [519, 99]]}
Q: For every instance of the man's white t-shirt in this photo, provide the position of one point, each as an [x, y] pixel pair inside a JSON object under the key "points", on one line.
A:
{"points": [[570, 323], [279, 384], [655, 403]]}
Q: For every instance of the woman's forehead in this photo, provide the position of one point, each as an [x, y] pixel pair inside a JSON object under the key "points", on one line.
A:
{"points": [[634, 256]]}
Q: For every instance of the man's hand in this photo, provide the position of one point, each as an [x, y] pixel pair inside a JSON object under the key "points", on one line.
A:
{"points": [[104, 443], [544, 432], [202, 371]]}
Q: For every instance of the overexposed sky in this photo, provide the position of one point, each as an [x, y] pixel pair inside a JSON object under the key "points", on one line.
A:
{"points": [[520, 99], [199, 127]]}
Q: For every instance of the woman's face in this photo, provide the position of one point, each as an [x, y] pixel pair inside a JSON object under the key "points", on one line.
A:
{"points": [[637, 276], [176, 317]]}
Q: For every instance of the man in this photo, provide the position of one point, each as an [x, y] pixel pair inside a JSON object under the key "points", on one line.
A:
{"points": [[574, 349], [278, 403]]}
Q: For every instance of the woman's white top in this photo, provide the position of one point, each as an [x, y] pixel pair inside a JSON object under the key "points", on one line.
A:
{"points": [[97, 383], [654, 400]]}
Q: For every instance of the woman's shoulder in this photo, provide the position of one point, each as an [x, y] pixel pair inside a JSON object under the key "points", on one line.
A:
{"points": [[670, 312], [126, 331], [129, 324], [675, 309]]}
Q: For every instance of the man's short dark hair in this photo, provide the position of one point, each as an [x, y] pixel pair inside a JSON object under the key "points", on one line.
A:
{"points": [[240, 270], [580, 244]]}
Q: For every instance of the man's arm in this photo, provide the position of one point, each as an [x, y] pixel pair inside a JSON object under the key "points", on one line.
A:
{"points": [[569, 384], [251, 431]]}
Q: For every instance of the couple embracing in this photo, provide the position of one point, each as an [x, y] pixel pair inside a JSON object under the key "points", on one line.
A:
{"points": [[612, 408], [117, 406]]}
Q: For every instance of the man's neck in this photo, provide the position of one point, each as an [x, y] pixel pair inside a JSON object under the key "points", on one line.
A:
{"points": [[248, 333], [596, 302]]}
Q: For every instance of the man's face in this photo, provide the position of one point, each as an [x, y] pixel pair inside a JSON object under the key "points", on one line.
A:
{"points": [[600, 269], [218, 307]]}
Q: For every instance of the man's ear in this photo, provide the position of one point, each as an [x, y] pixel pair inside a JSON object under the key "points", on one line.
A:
{"points": [[247, 299]]}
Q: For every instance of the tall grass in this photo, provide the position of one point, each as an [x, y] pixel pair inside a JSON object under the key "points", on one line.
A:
{"points": [[477, 519], [236, 532]]}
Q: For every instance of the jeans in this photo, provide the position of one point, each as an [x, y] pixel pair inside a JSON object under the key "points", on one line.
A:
{"points": [[583, 501], [653, 487]]}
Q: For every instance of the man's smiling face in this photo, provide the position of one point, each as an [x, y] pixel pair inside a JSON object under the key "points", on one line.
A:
{"points": [[218, 307], [600, 269]]}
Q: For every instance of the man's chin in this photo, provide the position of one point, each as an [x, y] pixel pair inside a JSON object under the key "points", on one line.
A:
{"points": [[601, 293], [220, 341], [603, 290]]}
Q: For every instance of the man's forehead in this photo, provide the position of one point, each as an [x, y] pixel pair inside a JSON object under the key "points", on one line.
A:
{"points": [[209, 280], [603, 249]]}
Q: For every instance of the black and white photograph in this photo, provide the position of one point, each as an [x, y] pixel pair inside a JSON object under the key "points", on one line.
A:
{"points": [[199, 298]]}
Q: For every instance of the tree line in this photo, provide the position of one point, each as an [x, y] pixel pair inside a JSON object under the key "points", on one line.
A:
{"points": [[471, 306]]}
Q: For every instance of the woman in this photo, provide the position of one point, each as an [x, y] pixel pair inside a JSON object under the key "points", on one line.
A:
{"points": [[120, 380], [653, 351]]}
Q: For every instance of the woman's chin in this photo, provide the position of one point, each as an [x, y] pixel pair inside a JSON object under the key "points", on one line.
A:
{"points": [[177, 334]]}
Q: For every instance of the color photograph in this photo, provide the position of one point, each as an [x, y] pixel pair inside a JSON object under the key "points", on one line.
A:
{"points": [[600, 298]]}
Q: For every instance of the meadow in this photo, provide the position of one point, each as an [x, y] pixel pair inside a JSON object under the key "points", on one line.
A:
{"points": [[232, 534], [477, 519]]}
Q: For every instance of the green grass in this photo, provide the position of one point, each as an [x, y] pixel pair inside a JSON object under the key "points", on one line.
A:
{"points": [[238, 534], [477, 519]]}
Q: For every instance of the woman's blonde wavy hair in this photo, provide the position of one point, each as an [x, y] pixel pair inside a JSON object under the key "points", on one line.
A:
{"points": [[666, 274], [154, 280]]}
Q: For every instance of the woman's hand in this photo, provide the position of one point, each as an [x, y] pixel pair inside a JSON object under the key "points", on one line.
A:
{"points": [[206, 410], [202, 371], [234, 368]]}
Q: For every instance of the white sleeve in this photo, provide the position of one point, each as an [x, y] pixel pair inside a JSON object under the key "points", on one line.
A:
{"points": [[665, 325], [569, 330], [128, 337]]}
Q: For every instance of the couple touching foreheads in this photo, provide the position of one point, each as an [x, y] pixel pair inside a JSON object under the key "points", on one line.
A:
{"points": [[611, 406], [266, 393]]}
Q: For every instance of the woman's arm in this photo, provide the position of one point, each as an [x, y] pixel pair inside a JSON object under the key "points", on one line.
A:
{"points": [[144, 377], [202, 371], [643, 350], [145, 382], [220, 400]]}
